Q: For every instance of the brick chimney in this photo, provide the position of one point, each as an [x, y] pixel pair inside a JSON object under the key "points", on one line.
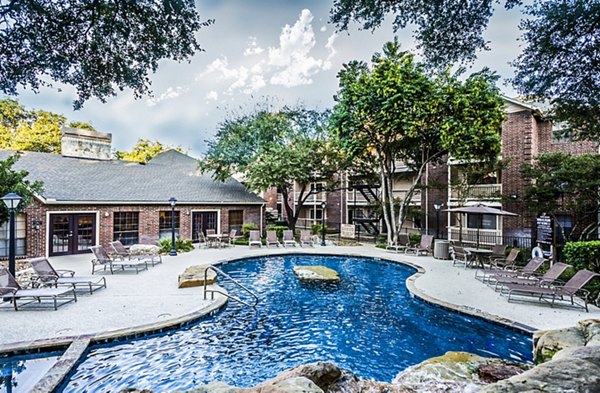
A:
{"points": [[86, 144]]}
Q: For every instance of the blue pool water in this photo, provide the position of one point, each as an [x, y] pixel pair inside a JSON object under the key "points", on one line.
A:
{"points": [[21, 373], [369, 324]]}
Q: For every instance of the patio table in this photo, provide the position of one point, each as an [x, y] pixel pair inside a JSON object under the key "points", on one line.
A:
{"points": [[217, 239], [479, 255]]}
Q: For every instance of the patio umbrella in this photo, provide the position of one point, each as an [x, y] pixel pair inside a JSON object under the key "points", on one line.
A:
{"points": [[480, 209]]}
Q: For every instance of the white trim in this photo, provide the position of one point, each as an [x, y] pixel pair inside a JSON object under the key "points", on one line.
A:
{"points": [[204, 211], [47, 239]]}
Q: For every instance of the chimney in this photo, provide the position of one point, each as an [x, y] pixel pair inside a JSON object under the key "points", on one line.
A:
{"points": [[86, 144]]}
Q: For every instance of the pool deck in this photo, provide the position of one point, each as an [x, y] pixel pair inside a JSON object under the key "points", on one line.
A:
{"points": [[135, 302]]}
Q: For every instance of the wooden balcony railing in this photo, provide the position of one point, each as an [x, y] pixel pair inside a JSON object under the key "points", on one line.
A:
{"points": [[480, 192], [487, 237]]}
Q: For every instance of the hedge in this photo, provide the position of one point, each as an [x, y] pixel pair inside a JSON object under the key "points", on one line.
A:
{"points": [[585, 255]]}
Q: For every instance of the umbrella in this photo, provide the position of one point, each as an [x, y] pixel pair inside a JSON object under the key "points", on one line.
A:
{"points": [[480, 209]]}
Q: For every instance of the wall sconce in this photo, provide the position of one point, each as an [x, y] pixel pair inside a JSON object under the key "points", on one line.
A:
{"points": [[106, 214], [514, 196]]}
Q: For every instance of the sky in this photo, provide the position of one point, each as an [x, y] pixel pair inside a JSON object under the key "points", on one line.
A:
{"points": [[286, 52]]}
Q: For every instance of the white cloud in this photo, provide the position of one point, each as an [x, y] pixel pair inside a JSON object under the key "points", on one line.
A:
{"points": [[169, 94], [253, 48], [332, 51], [212, 96], [323, 29]]}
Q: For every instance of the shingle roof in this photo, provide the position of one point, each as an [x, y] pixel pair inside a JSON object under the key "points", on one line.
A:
{"points": [[170, 174]]}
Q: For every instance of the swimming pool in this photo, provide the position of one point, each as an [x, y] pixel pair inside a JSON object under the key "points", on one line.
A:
{"points": [[21, 373], [368, 323]]}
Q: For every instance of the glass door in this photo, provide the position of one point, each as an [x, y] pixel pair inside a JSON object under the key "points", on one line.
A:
{"points": [[60, 234], [72, 233], [201, 221]]}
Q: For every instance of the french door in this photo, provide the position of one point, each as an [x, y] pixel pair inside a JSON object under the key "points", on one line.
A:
{"points": [[201, 221], [72, 233]]}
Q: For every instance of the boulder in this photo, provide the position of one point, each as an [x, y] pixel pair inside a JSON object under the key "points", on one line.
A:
{"points": [[193, 276], [144, 249], [547, 343], [316, 273]]}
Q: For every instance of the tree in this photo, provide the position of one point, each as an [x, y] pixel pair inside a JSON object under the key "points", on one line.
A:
{"points": [[276, 149], [561, 63], [144, 150], [82, 126], [564, 183], [95, 46], [392, 113], [14, 181]]}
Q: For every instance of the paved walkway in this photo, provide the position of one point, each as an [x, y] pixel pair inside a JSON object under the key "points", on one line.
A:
{"points": [[152, 296]]}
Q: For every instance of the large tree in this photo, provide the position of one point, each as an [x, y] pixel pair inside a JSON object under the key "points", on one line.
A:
{"points": [[560, 62], [145, 150], [276, 149], [567, 184], [98, 46], [393, 113], [12, 180]]}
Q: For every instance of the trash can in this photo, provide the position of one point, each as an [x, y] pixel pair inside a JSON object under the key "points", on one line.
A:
{"points": [[441, 249]]}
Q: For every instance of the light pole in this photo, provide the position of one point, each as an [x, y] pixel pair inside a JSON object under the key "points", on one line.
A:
{"points": [[12, 201], [437, 205], [173, 202], [323, 206]]}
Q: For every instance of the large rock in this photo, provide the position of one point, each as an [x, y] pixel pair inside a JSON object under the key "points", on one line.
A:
{"points": [[193, 276], [316, 273], [144, 249], [548, 342]]}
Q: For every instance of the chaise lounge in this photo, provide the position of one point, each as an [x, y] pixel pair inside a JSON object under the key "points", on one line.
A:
{"points": [[103, 259], [288, 238], [530, 268], [306, 238], [123, 253], [254, 239], [48, 276], [423, 247], [272, 239]]}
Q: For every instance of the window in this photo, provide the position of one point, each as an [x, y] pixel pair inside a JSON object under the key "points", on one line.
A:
{"points": [[564, 225], [21, 232], [164, 224], [561, 133], [488, 221], [316, 214], [126, 227], [236, 219]]}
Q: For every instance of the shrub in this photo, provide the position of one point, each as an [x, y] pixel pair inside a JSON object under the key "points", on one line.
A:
{"points": [[316, 229], [241, 242], [277, 228], [181, 245], [585, 255], [414, 238], [381, 245], [246, 228]]}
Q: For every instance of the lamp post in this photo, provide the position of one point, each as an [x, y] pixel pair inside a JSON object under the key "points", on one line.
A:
{"points": [[173, 202], [437, 205], [323, 206], [12, 201]]}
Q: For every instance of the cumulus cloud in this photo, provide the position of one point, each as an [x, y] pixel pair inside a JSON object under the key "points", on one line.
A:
{"points": [[323, 29], [331, 50], [253, 48], [169, 94], [212, 96]]}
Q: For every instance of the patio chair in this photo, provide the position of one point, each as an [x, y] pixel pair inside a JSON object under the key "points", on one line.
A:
{"points": [[233, 236], [571, 289], [12, 291], [530, 268], [101, 258], [123, 253], [48, 276], [254, 239], [498, 252], [288, 238], [460, 255], [506, 263], [272, 239], [546, 279], [202, 240], [423, 247], [306, 238], [400, 245], [211, 238]]}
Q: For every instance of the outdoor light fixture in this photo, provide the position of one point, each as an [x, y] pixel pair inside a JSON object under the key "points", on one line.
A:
{"points": [[514, 195], [437, 205], [323, 206], [12, 201], [173, 202]]}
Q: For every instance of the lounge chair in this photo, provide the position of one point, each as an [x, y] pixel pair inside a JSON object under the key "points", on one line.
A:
{"points": [[103, 259], [272, 239], [288, 238], [460, 255], [530, 268], [571, 289], [254, 239], [48, 276], [121, 252], [400, 245], [423, 247], [306, 238], [506, 263], [11, 290], [546, 279], [498, 252], [232, 236]]}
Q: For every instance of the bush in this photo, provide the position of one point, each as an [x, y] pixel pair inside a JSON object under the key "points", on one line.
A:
{"points": [[246, 228], [584, 255], [277, 228], [241, 242], [317, 228], [181, 245], [414, 238], [381, 245]]}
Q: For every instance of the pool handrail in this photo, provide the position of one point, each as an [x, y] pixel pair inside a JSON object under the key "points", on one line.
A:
{"points": [[212, 291]]}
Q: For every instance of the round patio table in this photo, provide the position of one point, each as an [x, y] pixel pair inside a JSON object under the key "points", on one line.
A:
{"points": [[480, 254]]}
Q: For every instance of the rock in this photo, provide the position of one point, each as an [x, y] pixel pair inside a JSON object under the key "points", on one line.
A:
{"points": [[323, 374], [193, 276], [547, 343], [143, 249], [316, 273], [492, 373], [214, 387], [289, 385]]}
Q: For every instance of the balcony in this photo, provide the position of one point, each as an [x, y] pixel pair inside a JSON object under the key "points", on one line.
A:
{"points": [[415, 200], [487, 237], [479, 192]]}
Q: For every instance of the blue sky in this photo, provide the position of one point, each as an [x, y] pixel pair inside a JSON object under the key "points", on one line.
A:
{"points": [[284, 50]]}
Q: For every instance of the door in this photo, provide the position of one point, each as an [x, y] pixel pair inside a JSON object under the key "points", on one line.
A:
{"points": [[72, 233], [201, 221]]}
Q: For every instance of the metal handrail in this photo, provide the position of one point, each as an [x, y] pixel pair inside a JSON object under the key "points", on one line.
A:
{"points": [[212, 291]]}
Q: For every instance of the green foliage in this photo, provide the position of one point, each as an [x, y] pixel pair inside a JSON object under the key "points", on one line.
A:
{"points": [[241, 241], [181, 245], [14, 181], [98, 47], [381, 245], [414, 238], [560, 62], [145, 150], [246, 228], [585, 255], [278, 229], [561, 182], [82, 125], [318, 228]]}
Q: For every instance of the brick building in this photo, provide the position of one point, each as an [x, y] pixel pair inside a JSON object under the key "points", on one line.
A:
{"points": [[91, 199]]}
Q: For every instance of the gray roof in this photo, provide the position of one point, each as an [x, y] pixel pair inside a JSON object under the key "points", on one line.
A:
{"points": [[170, 174]]}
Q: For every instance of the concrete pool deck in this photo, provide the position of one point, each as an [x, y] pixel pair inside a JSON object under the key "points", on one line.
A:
{"points": [[152, 297]]}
